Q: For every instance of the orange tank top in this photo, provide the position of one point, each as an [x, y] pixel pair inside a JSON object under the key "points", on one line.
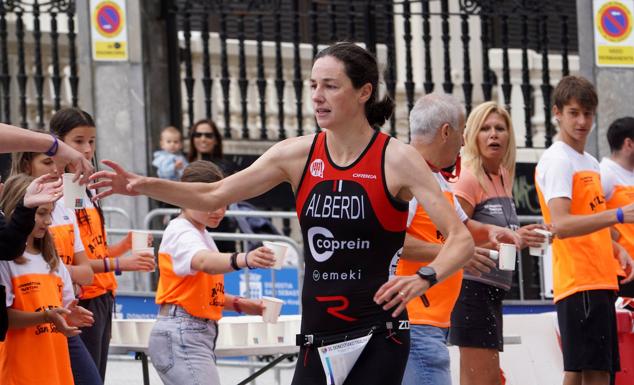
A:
{"points": [[96, 247], [201, 294], [442, 297], [36, 354]]}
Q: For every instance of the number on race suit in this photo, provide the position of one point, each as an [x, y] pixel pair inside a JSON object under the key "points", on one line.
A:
{"points": [[339, 359]]}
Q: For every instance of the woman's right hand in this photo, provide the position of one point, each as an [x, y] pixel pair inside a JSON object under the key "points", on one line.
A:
{"points": [[138, 261], [44, 189], [262, 258]]}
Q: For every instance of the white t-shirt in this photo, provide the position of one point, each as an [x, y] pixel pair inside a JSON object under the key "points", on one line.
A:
{"points": [[613, 174], [182, 240], [556, 168], [444, 187], [35, 264], [64, 216]]}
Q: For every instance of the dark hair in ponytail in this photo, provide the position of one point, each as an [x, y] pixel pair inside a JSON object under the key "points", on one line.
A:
{"points": [[361, 67]]}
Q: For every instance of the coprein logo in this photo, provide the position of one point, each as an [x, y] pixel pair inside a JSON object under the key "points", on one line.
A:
{"points": [[323, 244], [317, 168]]}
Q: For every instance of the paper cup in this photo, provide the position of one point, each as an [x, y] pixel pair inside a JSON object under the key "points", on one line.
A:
{"points": [[73, 192], [144, 250], [276, 333], [507, 256], [272, 308], [256, 333], [140, 240], [143, 330], [279, 249], [238, 329], [224, 333], [540, 251], [128, 332], [494, 254]]}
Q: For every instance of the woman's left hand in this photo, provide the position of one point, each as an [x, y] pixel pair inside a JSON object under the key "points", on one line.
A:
{"points": [[79, 316], [398, 291]]}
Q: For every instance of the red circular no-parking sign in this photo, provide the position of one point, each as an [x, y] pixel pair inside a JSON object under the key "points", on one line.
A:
{"points": [[614, 21], [108, 19]]}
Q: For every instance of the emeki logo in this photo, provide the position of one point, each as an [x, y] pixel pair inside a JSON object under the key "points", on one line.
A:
{"points": [[317, 168]]}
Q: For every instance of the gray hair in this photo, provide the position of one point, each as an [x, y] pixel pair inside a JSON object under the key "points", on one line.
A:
{"points": [[432, 111]]}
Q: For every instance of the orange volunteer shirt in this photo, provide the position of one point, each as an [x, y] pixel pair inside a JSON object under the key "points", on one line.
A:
{"points": [[585, 262], [36, 354], [618, 187], [442, 297], [65, 233], [96, 247], [200, 294]]}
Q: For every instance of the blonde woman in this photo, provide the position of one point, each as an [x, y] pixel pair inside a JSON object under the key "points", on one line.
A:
{"points": [[484, 191]]}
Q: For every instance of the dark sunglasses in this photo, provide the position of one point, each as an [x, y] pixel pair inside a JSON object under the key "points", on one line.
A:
{"points": [[208, 135]]}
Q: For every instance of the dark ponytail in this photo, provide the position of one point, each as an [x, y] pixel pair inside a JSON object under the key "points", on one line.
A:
{"points": [[361, 67]]}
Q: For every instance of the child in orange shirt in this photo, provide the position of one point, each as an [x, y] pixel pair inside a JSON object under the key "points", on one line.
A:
{"points": [[191, 290], [41, 306]]}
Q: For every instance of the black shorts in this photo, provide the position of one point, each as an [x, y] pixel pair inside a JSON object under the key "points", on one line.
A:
{"points": [[587, 323], [476, 319], [626, 290], [382, 362]]}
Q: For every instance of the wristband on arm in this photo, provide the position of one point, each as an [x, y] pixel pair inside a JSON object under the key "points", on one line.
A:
{"points": [[233, 261], [53, 149], [619, 215], [236, 305]]}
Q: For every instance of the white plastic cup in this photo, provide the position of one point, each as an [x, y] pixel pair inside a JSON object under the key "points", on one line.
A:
{"points": [[540, 251], [257, 333], [128, 336], [73, 192], [279, 249], [507, 255], [272, 308], [276, 333], [494, 254], [140, 240], [143, 330]]}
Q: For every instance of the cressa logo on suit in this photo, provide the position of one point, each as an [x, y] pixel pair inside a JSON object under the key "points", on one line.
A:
{"points": [[317, 168]]}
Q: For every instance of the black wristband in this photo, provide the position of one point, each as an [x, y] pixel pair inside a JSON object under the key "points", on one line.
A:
{"points": [[233, 260], [246, 260]]}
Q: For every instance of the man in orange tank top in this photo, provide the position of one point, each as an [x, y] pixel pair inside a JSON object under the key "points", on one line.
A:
{"points": [[437, 124], [584, 277]]}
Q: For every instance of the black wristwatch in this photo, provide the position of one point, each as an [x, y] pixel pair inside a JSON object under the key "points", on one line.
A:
{"points": [[429, 274]]}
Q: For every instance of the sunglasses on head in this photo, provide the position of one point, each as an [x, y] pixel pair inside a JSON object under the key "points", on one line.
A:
{"points": [[208, 135]]}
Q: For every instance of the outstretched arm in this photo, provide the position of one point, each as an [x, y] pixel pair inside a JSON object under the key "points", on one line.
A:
{"points": [[281, 163], [15, 139]]}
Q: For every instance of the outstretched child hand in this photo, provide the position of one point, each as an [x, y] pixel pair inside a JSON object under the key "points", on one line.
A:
{"points": [[262, 257]]}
